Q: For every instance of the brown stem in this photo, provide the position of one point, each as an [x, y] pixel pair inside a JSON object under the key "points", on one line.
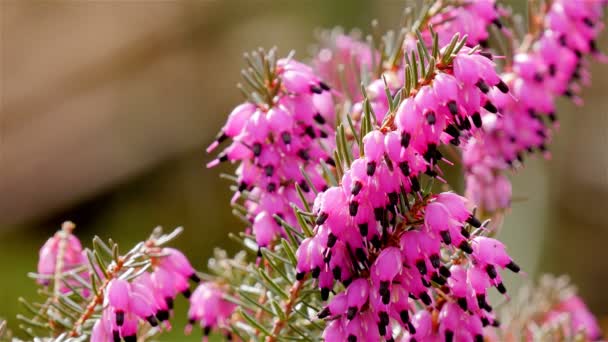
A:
{"points": [[280, 323]]}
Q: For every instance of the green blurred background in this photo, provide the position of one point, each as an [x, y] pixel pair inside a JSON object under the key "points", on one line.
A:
{"points": [[106, 108]]}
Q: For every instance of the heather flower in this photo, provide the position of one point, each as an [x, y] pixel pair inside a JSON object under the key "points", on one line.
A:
{"points": [[343, 60], [149, 297], [552, 66], [209, 308], [273, 141]]}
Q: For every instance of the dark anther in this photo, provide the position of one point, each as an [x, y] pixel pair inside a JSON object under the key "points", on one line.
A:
{"points": [[315, 89], [435, 260], [466, 124], [223, 157], [405, 316], [445, 236], [381, 329], [453, 107], [351, 312], [455, 142], [353, 207], [491, 270], [412, 330], [513, 267], [588, 22], [321, 218], [484, 43], [330, 161], [324, 294], [116, 336], [562, 40], [186, 293], [465, 247], [130, 338], [449, 336], [462, 302], [496, 323], [473, 221], [438, 279], [324, 86], [319, 118], [269, 170], [360, 253], [415, 184], [207, 330], [503, 87], [497, 23], [483, 86], [464, 232], [385, 292], [162, 315], [352, 338], [257, 149], [376, 242], [552, 69], [384, 319], [286, 137], [444, 271], [169, 301], [337, 272], [304, 186], [453, 131], [593, 46], [405, 140], [405, 168], [347, 282], [271, 187], [371, 168], [316, 272], [323, 134], [421, 266], [487, 55], [430, 172], [259, 255], [378, 213], [303, 154], [431, 118], [310, 131], [538, 77], [393, 198], [431, 152], [120, 318], [152, 320], [363, 229], [242, 186], [482, 303], [478, 338], [489, 106], [425, 298], [501, 288], [568, 93], [331, 240], [300, 275], [484, 322], [324, 313], [195, 278]]}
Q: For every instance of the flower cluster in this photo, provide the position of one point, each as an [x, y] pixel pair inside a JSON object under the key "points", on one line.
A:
{"points": [[388, 260], [209, 308], [148, 297], [275, 142], [550, 67], [548, 310], [471, 18], [342, 60], [61, 253]]}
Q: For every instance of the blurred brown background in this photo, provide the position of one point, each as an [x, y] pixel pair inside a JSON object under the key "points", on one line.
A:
{"points": [[106, 107]]}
